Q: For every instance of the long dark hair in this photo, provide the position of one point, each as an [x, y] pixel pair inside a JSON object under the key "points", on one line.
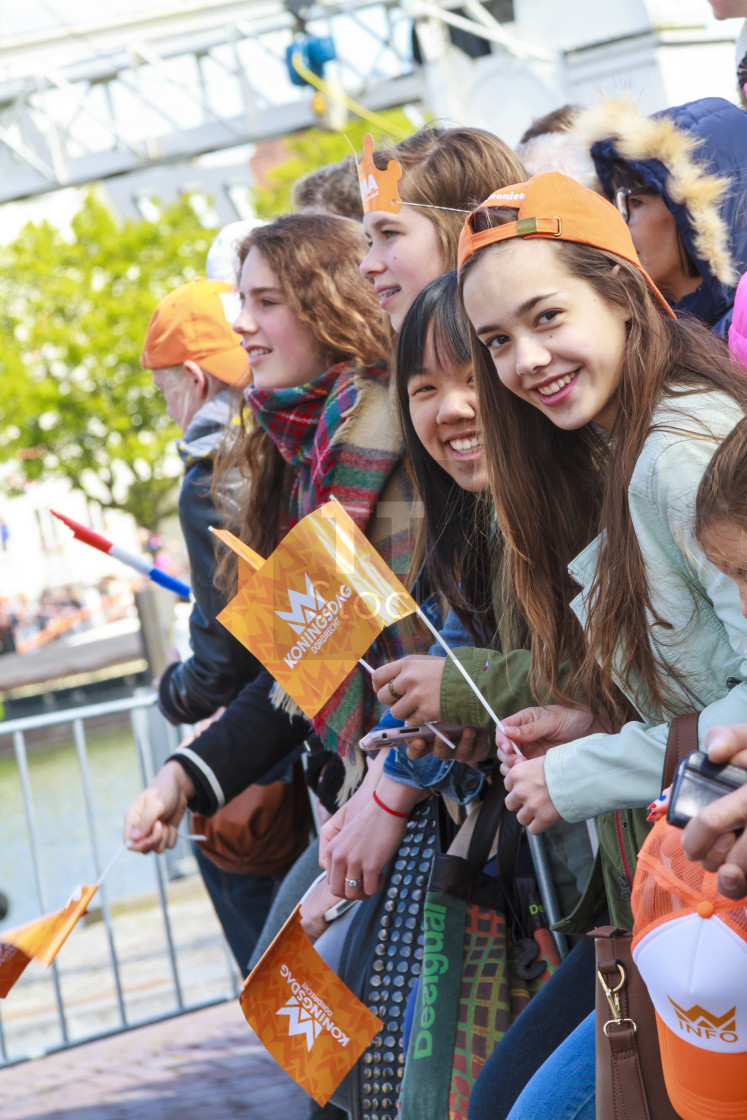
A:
{"points": [[555, 490], [454, 536]]}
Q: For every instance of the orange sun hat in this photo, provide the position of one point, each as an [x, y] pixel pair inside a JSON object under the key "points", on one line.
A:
{"points": [[556, 207]]}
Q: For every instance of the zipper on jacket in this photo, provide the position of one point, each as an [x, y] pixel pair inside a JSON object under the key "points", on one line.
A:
{"points": [[626, 879]]}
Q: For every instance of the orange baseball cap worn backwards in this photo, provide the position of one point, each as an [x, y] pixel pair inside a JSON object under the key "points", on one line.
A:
{"points": [[193, 324], [690, 947], [556, 207]]}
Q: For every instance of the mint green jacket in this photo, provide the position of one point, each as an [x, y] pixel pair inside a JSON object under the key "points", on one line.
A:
{"points": [[596, 775], [599, 774], [706, 643]]}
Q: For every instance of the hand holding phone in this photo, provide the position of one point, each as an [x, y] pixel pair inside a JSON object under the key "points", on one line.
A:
{"points": [[382, 737], [698, 782], [339, 909]]}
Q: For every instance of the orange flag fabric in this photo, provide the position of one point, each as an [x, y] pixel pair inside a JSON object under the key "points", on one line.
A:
{"points": [[43, 938], [304, 1015], [315, 605]]}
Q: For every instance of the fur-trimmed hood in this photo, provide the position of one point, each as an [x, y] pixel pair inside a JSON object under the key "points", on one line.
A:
{"points": [[695, 157]]}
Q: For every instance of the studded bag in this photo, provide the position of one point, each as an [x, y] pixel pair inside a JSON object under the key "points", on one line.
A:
{"points": [[381, 960]]}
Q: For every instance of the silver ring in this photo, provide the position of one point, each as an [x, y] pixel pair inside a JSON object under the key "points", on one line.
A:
{"points": [[352, 882]]}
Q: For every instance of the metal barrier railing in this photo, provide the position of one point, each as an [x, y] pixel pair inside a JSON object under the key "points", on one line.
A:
{"points": [[153, 740]]}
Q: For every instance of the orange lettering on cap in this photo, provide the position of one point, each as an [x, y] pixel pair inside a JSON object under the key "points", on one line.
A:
{"points": [[705, 909]]}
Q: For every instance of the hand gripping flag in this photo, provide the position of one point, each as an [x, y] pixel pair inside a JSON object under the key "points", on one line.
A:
{"points": [[43, 938], [313, 608], [304, 1015]]}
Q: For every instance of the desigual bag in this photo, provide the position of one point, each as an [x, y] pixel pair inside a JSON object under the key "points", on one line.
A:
{"points": [[263, 831], [487, 950]]}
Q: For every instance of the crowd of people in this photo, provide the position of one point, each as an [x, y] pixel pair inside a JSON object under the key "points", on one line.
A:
{"points": [[26, 622], [522, 391]]}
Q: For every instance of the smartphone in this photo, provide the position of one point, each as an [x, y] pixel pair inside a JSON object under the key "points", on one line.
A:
{"points": [[390, 736], [698, 782], [339, 909]]}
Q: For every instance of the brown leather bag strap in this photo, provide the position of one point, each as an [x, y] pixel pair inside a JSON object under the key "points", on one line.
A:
{"points": [[618, 1029], [682, 739], [627, 1080]]}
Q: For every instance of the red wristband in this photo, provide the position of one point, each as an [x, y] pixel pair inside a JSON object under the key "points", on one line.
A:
{"points": [[392, 812]]}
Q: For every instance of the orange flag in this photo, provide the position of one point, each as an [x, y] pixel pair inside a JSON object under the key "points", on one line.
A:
{"points": [[42, 938], [313, 1026], [313, 608]]}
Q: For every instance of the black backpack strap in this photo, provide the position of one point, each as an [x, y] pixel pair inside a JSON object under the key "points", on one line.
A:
{"points": [[488, 822]]}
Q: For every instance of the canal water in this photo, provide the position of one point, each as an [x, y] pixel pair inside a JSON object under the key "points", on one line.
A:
{"points": [[62, 829]]}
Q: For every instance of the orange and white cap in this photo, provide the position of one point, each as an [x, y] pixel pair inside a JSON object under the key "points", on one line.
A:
{"points": [[690, 947], [556, 207]]}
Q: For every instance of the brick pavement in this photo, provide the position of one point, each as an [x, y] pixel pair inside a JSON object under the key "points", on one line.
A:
{"points": [[207, 1064]]}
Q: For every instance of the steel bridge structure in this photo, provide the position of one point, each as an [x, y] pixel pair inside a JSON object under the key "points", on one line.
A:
{"points": [[86, 103]]}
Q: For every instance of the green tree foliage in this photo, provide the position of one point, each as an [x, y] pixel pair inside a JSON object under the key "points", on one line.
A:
{"points": [[316, 147], [73, 313]]}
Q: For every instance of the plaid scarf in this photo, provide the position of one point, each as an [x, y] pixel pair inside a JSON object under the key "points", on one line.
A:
{"points": [[291, 416], [338, 436]]}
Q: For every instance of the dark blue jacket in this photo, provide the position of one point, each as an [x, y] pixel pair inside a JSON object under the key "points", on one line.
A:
{"points": [[711, 218], [191, 690]]}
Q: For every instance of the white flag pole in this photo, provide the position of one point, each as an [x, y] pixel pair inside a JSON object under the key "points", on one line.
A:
{"points": [[430, 726], [536, 843], [111, 863]]}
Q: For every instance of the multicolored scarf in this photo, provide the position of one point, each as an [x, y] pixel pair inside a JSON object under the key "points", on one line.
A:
{"points": [[291, 416], [339, 438]]}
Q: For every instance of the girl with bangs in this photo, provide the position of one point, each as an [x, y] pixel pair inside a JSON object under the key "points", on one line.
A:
{"points": [[600, 412], [413, 240]]}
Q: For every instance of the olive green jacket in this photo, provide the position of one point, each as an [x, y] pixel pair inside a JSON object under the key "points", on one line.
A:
{"points": [[503, 679]]}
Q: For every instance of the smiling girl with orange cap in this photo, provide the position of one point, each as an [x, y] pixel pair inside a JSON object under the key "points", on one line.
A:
{"points": [[600, 413]]}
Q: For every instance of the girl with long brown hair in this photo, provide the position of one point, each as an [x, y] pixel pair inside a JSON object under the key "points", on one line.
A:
{"points": [[600, 411], [321, 425]]}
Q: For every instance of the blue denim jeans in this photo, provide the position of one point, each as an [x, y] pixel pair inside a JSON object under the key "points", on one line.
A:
{"points": [[557, 1009], [563, 1088]]}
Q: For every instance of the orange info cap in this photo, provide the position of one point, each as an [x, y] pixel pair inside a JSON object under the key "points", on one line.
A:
{"points": [[193, 324], [690, 946], [556, 207]]}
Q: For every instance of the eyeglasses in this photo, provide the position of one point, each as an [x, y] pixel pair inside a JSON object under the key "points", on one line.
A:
{"points": [[622, 195]]}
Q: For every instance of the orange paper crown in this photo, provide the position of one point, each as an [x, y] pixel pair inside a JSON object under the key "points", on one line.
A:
{"points": [[379, 190]]}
